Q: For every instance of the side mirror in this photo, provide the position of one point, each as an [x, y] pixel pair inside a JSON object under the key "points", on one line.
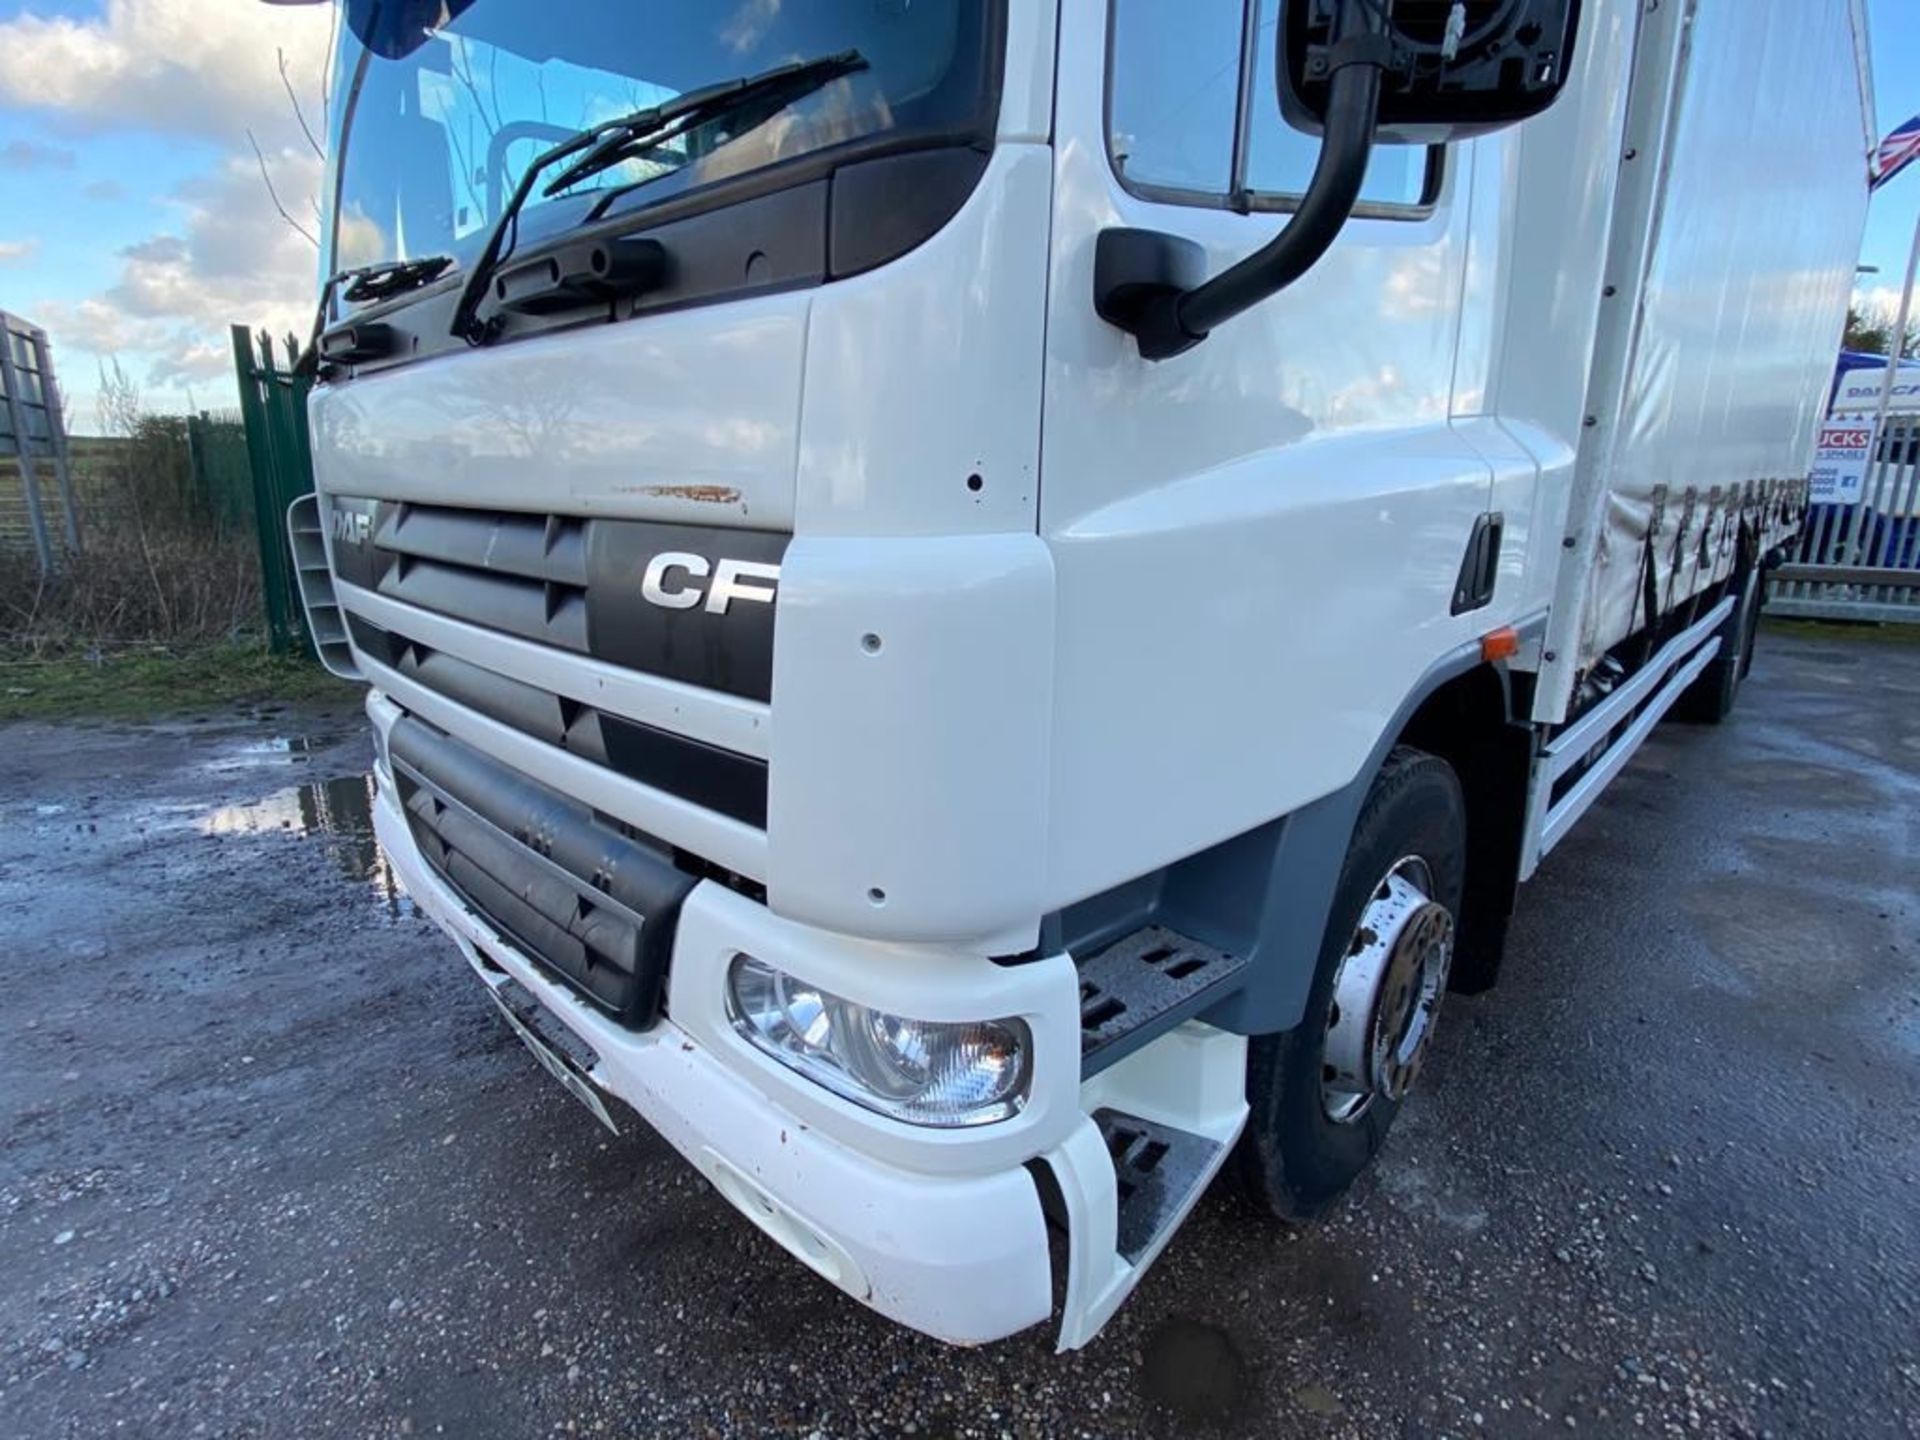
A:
{"points": [[1453, 68], [1358, 73]]}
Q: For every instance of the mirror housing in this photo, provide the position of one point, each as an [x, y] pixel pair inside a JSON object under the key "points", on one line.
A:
{"points": [[1428, 71], [1454, 68]]}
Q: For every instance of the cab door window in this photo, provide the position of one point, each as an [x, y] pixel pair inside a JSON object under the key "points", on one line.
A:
{"points": [[1193, 117]]}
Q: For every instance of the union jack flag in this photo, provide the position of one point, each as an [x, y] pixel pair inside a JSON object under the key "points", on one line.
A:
{"points": [[1896, 152]]}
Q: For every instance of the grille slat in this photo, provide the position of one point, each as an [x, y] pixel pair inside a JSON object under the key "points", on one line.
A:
{"points": [[524, 707], [709, 776], [531, 609], [534, 547]]}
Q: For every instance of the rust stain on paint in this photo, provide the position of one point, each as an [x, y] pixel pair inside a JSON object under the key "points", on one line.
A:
{"points": [[699, 494]]}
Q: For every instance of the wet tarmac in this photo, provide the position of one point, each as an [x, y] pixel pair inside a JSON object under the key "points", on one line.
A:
{"points": [[270, 1165]]}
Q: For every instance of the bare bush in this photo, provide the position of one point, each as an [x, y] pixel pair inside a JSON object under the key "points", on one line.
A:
{"points": [[164, 564]]}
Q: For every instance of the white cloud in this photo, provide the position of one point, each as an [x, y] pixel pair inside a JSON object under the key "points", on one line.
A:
{"points": [[1879, 301], [174, 363], [199, 361], [203, 67], [93, 326], [232, 260], [18, 252], [1416, 286]]}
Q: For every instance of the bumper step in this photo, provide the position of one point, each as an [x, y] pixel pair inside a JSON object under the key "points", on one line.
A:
{"points": [[1144, 985], [1158, 1172]]}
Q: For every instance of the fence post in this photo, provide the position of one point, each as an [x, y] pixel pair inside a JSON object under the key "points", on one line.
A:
{"points": [[23, 449], [197, 454], [57, 432], [275, 590]]}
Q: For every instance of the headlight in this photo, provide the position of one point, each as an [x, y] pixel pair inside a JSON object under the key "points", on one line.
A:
{"points": [[926, 1073]]}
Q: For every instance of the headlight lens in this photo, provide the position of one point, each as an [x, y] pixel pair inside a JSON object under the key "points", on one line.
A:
{"points": [[924, 1072]]}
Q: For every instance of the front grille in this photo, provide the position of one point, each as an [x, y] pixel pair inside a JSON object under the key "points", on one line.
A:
{"points": [[717, 779], [595, 907], [567, 581]]}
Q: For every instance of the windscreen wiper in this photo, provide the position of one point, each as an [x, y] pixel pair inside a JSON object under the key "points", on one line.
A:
{"points": [[775, 89], [601, 147], [366, 284]]}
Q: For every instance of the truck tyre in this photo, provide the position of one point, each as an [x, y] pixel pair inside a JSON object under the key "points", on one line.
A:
{"points": [[1753, 626], [1323, 1095], [1710, 698]]}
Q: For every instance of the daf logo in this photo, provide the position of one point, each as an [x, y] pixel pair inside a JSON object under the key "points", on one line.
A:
{"points": [[680, 580], [351, 527]]}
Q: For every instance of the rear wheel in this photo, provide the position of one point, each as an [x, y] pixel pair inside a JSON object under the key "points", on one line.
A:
{"points": [[1710, 698], [1323, 1095], [1753, 626]]}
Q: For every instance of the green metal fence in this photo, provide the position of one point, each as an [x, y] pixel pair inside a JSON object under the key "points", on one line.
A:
{"points": [[273, 406], [220, 472]]}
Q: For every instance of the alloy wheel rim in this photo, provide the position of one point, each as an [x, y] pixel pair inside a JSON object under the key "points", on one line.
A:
{"points": [[1386, 994]]}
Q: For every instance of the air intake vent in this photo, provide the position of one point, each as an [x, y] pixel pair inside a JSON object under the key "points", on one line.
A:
{"points": [[325, 622]]}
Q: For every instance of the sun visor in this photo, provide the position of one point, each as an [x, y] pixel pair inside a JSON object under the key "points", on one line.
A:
{"points": [[394, 29]]}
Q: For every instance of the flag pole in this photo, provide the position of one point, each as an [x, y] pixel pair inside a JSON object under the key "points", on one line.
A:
{"points": [[1855, 528], [1898, 342]]}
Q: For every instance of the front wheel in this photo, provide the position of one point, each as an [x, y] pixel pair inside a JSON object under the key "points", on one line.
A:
{"points": [[1323, 1095]]}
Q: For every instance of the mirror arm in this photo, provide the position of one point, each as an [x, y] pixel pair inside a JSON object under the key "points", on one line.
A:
{"points": [[1352, 113], [1150, 284]]}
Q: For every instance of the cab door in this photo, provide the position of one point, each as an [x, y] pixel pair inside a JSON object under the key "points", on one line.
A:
{"points": [[1257, 544]]}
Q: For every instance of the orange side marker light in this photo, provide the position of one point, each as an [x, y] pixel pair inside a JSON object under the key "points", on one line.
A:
{"points": [[1501, 644]]}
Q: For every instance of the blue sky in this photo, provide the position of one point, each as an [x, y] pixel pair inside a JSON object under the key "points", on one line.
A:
{"points": [[1896, 81], [133, 220]]}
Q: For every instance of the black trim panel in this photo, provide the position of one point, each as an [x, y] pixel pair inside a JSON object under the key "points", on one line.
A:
{"points": [[884, 208], [706, 775], [731, 650], [573, 583], [719, 779]]}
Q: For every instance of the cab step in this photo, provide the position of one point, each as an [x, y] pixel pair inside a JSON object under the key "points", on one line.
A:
{"points": [[1159, 1125], [1158, 1173], [1142, 986]]}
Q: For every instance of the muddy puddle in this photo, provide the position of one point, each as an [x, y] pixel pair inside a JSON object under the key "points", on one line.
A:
{"points": [[271, 750], [336, 813]]}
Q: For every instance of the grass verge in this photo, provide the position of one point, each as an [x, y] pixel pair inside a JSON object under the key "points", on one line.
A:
{"points": [[146, 683]]}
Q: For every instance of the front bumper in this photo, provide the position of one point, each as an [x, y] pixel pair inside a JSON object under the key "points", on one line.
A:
{"points": [[941, 1231]]}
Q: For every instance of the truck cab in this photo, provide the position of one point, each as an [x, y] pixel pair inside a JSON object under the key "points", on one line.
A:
{"points": [[961, 777]]}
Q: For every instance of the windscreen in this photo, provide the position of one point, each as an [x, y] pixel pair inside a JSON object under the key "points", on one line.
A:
{"points": [[440, 106]]}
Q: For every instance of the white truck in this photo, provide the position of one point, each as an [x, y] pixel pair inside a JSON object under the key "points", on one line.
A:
{"points": [[975, 607]]}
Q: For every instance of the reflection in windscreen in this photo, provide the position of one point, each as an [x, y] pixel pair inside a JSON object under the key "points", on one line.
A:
{"points": [[436, 119]]}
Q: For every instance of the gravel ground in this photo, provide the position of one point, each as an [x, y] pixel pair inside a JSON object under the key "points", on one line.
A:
{"points": [[270, 1165]]}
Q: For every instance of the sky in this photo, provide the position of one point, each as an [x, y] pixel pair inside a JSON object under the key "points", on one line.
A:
{"points": [[1896, 206], [135, 225]]}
